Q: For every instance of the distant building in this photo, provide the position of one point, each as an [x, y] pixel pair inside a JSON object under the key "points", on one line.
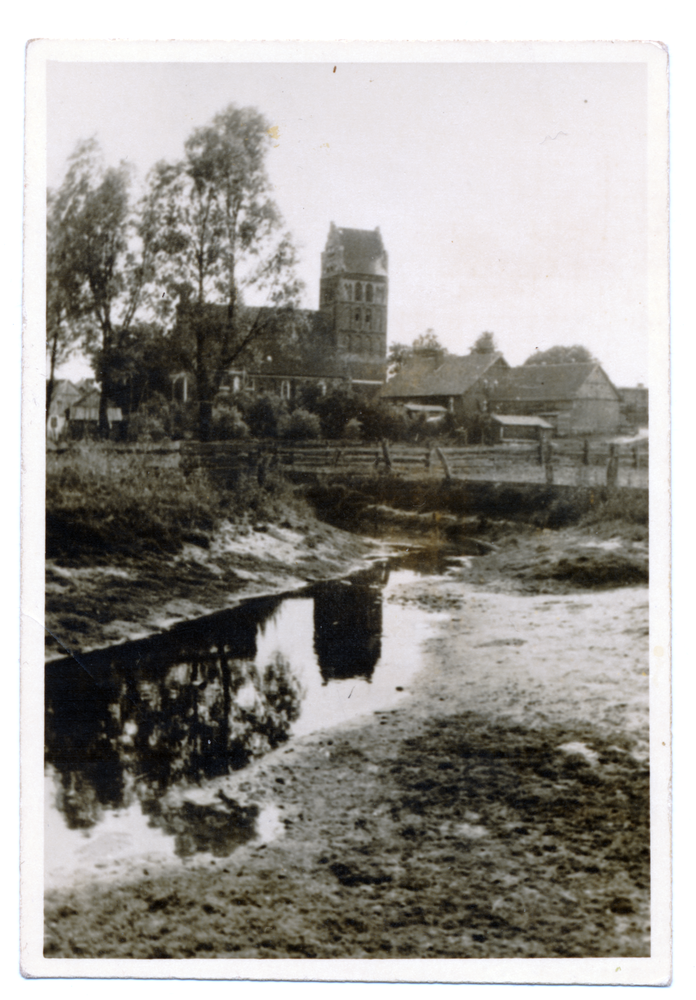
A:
{"points": [[573, 398], [344, 342], [84, 413], [635, 406], [64, 395], [461, 386]]}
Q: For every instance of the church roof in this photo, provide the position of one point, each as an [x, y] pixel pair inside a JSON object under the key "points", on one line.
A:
{"points": [[362, 250], [439, 375], [355, 251]]}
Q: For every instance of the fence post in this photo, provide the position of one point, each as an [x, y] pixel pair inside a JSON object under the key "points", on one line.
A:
{"points": [[443, 458], [548, 461], [385, 452], [429, 458], [612, 467]]}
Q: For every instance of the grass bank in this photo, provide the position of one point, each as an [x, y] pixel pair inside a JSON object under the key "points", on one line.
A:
{"points": [[101, 503]]}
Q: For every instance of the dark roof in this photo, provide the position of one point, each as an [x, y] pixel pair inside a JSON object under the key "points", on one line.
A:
{"points": [[543, 382], [354, 251], [362, 250], [443, 375]]}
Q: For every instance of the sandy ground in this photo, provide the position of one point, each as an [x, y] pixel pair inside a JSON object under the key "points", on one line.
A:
{"points": [[501, 810]]}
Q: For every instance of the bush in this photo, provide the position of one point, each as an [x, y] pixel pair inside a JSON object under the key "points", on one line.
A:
{"points": [[352, 430], [335, 410], [379, 420], [143, 426], [263, 414], [228, 424], [299, 425]]}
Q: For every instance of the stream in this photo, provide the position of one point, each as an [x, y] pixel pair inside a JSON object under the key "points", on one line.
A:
{"points": [[138, 734]]}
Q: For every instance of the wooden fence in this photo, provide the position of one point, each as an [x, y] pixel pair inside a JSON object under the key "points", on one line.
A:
{"points": [[566, 462]]}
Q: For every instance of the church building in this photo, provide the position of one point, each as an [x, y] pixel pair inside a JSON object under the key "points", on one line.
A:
{"points": [[344, 342]]}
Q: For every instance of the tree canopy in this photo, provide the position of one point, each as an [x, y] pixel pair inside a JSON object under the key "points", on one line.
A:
{"points": [[485, 344], [217, 239], [205, 239], [399, 354], [94, 280], [561, 355]]}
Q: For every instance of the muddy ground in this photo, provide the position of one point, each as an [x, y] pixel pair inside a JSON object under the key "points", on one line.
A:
{"points": [[501, 811]]}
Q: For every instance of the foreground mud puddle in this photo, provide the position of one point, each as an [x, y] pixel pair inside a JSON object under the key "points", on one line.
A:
{"points": [[138, 734]]}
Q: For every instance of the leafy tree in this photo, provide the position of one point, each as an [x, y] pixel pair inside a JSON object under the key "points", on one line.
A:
{"points": [[561, 355], [485, 344], [400, 354], [94, 279], [63, 305], [216, 237]]}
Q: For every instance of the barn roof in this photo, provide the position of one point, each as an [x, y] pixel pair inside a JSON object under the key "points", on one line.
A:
{"points": [[543, 382], [440, 375]]}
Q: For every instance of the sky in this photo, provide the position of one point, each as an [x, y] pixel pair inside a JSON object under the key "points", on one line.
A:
{"points": [[511, 197]]}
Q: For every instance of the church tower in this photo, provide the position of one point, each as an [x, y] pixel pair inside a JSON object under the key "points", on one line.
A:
{"points": [[353, 298]]}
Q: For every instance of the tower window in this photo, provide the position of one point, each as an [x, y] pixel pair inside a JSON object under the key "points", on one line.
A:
{"points": [[368, 318], [349, 290], [357, 315], [358, 291], [368, 293]]}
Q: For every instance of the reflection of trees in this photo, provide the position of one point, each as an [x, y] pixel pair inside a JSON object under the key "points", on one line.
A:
{"points": [[348, 626], [185, 705], [217, 828]]}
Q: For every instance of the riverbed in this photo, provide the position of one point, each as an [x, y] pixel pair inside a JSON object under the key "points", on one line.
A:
{"points": [[485, 795]]}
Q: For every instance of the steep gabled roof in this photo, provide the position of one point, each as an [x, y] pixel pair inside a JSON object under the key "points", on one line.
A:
{"points": [[354, 251], [362, 250], [536, 383], [443, 375]]}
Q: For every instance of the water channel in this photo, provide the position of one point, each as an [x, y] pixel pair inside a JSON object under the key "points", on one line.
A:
{"points": [[128, 724]]}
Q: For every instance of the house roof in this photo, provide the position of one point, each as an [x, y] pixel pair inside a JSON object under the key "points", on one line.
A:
{"points": [[512, 421], [441, 375], [543, 382]]}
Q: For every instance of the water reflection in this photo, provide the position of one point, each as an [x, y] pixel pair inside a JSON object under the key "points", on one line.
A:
{"points": [[127, 725], [348, 626], [132, 720]]}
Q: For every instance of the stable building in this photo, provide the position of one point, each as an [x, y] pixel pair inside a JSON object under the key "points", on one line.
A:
{"points": [[433, 380], [573, 398]]}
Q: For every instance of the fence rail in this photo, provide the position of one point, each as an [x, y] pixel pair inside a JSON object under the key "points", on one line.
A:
{"points": [[568, 463]]}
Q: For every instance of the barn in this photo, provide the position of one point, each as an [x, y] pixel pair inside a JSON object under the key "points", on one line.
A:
{"points": [[573, 398]]}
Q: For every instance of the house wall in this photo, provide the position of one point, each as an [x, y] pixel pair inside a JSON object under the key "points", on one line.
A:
{"points": [[595, 416], [475, 402]]}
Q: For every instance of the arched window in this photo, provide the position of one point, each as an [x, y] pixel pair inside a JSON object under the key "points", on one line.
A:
{"points": [[357, 316], [349, 290], [368, 293], [358, 291], [368, 318]]}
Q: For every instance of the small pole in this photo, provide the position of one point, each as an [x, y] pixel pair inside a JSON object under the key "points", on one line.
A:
{"points": [[443, 458], [385, 452], [612, 467]]}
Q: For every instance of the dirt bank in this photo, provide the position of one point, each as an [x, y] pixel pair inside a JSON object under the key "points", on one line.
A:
{"points": [[91, 604], [501, 811]]}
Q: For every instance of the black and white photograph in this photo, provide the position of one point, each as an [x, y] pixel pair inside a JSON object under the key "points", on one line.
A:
{"points": [[354, 636]]}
